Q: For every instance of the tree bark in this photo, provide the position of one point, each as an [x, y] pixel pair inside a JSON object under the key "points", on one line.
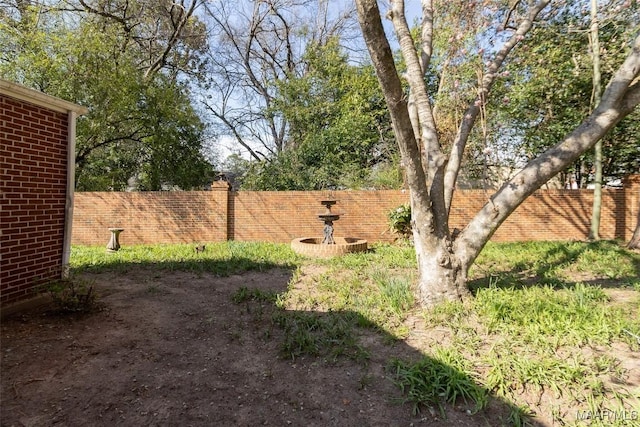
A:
{"points": [[443, 259], [442, 274], [594, 233]]}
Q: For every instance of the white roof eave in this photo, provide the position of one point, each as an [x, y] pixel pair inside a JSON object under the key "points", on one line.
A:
{"points": [[40, 99]]}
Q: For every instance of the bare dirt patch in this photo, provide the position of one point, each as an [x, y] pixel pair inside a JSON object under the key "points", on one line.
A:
{"points": [[171, 348]]}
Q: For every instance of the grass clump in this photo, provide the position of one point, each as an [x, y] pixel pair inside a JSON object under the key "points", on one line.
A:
{"points": [[245, 294], [73, 295], [515, 369], [329, 335], [445, 376], [396, 293]]}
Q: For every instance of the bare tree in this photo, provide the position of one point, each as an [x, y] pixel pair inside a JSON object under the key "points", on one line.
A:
{"points": [[166, 32], [444, 255], [254, 45]]}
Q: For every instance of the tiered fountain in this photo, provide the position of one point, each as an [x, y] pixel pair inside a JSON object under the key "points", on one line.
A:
{"points": [[328, 246]]}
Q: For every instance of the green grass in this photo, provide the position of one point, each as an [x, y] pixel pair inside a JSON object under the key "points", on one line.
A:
{"points": [[328, 335], [555, 263], [533, 323], [219, 258], [245, 295], [382, 296], [576, 315], [538, 311], [446, 376]]}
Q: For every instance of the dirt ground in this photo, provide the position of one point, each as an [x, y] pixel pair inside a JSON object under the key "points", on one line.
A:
{"points": [[173, 349]]}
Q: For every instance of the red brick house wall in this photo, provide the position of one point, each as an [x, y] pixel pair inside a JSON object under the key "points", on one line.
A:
{"points": [[280, 216], [33, 190]]}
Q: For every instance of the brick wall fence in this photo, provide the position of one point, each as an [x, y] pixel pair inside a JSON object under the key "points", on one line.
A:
{"points": [[219, 215]]}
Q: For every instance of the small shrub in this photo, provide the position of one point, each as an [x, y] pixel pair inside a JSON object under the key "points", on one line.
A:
{"points": [[400, 221], [73, 295]]}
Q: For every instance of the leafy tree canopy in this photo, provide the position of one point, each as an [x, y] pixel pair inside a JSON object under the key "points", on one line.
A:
{"points": [[339, 131], [141, 129], [546, 89]]}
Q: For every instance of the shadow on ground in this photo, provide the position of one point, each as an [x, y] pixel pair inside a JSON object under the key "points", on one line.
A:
{"points": [[546, 269], [207, 344]]}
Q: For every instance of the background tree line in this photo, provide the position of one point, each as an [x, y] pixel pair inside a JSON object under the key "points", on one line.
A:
{"points": [[126, 61], [286, 88]]}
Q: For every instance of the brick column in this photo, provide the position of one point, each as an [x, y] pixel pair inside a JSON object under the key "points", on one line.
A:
{"points": [[632, 204], [220, 193]]}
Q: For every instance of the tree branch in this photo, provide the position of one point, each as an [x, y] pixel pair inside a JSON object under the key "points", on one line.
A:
{"points": [[473, 111], [183, 17], [620, 98], [427, 34], [382, 59], [419, 100], [507, 18], [86, 151], [234, 129], [414, 76]]}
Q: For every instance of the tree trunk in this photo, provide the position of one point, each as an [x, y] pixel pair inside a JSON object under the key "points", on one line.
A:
{"points": [[443, 257], [594, 233], [634, 243], [442, 276]]}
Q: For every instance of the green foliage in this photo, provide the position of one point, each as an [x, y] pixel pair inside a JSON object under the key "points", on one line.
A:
{"points": [[339, 128], [141, 127], [174, 148], [446, 376], [546, 91], [400, 221]]}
